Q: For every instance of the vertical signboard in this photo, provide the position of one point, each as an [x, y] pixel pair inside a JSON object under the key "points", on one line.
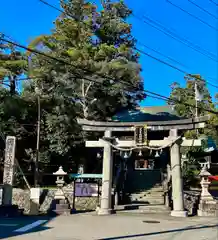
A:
{"points": [[141, 135], [9, 166]]}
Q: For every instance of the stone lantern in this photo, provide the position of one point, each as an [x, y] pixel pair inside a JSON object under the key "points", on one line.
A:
{"points": [[62, 205], [59, 194], [207, 205], [204, 174]]}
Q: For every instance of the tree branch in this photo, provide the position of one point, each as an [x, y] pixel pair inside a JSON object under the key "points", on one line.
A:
{"points": [[87, 89], [83, 88]]}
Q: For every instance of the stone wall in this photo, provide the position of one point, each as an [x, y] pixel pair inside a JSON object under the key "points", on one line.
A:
{"points": [[191, 200], [22, 199]]}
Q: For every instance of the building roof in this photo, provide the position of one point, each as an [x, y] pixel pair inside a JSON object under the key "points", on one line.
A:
{"points": [[143, 114], [157, 109]]}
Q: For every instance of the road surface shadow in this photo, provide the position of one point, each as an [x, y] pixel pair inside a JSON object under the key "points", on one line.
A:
{"points": [[7, 232], [162, 232]]}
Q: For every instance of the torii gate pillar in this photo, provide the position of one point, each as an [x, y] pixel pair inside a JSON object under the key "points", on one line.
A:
{"points": [[177, 181], [106, 195]]}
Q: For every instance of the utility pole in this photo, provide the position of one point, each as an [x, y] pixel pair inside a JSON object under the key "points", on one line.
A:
{"points": [[36, 173], [196, 99]]}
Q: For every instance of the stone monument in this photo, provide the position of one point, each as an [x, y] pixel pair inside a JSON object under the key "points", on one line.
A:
{"points": [[7, 209], [9, 167]]}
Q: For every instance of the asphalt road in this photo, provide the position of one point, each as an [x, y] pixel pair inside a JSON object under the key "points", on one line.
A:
{"points": [[115, 227]]}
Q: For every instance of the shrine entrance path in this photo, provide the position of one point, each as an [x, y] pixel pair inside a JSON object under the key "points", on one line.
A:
{"points": [[11, 227], [124, 226]]}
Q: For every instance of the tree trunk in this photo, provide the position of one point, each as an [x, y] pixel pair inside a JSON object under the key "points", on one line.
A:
{"points": [[12, 80]]}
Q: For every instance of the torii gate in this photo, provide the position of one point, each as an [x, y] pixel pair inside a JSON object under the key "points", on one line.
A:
{"points": [[171, 126]]}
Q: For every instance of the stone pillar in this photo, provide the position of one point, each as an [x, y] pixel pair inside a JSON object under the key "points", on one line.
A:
{"points": [[105, 206], [177, 182], [9, 167]]}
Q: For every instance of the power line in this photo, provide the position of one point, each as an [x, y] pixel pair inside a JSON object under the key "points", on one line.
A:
{"points": [[52, 6], [155, 97], [147, 54], [192, 15], [161, 54], [143, 52], [52, 58], [174, 67], [73, 16], [152, 49], [195, 47], [206, 11], [111, 79], [144, 45], [104, 77], [101, 75], [159, 96], [156, 25], [214, 2], [176, 37]]}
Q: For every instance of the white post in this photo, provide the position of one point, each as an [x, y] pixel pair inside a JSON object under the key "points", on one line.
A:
{"points": [[105, 206], [177, 182], [34, 201], [196, 99]]}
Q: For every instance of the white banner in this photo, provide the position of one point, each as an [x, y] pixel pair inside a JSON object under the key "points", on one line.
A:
{"points": [[198, 96]]}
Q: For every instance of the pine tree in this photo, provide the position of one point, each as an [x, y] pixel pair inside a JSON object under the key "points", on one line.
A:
{"points": [[98, 73], [81, 41]]}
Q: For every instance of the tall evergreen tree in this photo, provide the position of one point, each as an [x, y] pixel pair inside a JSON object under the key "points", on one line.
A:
{"points": [[97, 73], [97, 44]]}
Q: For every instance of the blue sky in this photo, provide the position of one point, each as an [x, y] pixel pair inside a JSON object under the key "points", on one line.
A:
{"points": [[28, 19]]}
